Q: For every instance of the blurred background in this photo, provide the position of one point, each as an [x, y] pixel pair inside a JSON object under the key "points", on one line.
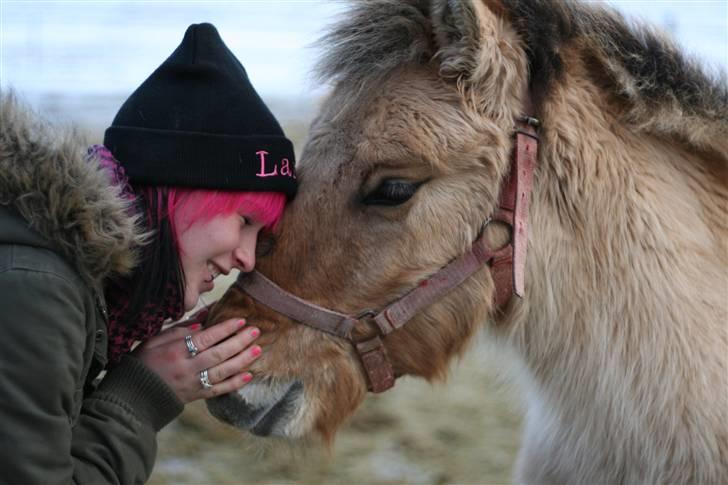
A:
{"points": [[76, 62]]}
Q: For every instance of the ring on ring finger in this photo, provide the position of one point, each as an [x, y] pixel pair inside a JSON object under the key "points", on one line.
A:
{"points": [[205, 379]]}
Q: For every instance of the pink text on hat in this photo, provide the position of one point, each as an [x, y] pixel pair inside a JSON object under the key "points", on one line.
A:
{"points": [[285, 167]]}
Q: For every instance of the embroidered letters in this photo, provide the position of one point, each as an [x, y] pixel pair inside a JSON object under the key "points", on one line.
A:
{"points": [[285, 167]]}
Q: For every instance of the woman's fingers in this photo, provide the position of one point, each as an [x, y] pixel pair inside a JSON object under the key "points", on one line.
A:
{"points": [[227, 360], [210, 336], [235, 365], [228, 385], [227, 349]]}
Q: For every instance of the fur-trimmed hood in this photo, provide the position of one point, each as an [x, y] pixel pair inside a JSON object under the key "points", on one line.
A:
{"points": [[67, 199]]}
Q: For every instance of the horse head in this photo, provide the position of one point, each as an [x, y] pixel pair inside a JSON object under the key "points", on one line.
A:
{"points": [[404, 170]]}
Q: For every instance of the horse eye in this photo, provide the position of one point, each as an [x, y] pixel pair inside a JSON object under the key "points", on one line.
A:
{"points": [[391, 192]]}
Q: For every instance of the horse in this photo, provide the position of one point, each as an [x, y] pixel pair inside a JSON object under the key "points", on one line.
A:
{"points": [[608, 309]]}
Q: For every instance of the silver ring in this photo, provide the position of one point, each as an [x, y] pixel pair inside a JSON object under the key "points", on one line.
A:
{"points": [[191, 347], [205, 380]]}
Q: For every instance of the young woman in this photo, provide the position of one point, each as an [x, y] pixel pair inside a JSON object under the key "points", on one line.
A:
{"points": [[97, 251]]}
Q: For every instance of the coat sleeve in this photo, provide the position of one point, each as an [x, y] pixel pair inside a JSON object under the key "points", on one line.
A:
{"points": [[43, 335]]}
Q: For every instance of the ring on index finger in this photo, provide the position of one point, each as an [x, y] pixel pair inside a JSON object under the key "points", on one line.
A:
{"points": [[191, 347]]}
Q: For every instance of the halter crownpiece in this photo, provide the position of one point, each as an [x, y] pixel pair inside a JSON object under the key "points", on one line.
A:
{"points": [[507, 269]]}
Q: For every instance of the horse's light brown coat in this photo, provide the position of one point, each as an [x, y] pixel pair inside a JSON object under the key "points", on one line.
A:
{"points": [[622, 337]]}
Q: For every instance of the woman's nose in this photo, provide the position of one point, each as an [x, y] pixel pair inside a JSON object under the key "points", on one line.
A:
{"points": [[244, 257]]}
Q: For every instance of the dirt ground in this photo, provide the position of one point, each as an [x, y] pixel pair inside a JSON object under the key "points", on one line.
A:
{"points": [[464, 431]]}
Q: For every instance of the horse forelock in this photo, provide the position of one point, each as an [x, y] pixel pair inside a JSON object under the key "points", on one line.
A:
{"points": [[374, 38]]}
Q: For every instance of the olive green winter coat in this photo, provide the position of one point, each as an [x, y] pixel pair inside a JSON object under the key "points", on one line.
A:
{"points": [[64, 230]]}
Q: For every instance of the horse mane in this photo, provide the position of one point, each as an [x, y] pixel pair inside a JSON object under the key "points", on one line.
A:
{"points": [[373, 38], [657, 84]]}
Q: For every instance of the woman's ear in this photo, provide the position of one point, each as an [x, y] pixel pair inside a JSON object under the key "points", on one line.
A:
{"points": [[478, 49]]}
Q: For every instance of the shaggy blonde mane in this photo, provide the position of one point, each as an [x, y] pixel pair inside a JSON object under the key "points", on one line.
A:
{"points": [[654, 85]]}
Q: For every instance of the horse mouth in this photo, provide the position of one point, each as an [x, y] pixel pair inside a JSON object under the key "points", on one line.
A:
{"points": [[262, 408]]}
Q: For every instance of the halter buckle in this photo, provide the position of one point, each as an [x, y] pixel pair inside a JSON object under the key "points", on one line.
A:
{"points": [[378, 368], [530, 121]]}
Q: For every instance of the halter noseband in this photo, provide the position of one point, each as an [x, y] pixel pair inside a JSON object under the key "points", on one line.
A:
{"points": [[507, 266]]}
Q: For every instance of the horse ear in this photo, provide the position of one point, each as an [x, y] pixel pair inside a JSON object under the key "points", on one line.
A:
{"points": [[476, 45]]}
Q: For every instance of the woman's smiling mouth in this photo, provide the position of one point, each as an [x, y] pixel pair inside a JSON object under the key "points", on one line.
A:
{"points": [[214, 272]]}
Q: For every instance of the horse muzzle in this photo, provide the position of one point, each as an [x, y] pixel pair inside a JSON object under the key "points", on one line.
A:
{"points": [[264, 408]]}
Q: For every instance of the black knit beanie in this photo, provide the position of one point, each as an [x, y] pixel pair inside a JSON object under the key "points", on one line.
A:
{"points": [[198, 122]]}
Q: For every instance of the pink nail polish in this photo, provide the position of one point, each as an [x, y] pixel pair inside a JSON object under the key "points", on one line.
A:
{"points": [[256, 351], [255, 332], [241, 323], [195, 326], [247, 377]]}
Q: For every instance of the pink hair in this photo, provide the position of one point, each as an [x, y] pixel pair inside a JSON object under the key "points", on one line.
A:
{"points": [[203, 205]]}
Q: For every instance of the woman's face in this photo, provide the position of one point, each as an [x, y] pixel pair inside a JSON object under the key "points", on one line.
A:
{"points": [[209, 248]]}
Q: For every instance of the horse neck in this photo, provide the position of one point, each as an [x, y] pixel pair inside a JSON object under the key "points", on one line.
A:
{"points": [[626, 253]]}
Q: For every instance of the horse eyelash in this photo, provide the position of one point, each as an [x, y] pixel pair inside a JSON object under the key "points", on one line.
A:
{"points": [[389, 193]]}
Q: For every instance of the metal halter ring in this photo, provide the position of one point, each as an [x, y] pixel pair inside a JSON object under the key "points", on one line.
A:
{"points": [[205, 380], [191, 347]]}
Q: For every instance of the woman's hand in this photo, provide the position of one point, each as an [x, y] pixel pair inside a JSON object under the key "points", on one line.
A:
{"points": [[224, 350]]}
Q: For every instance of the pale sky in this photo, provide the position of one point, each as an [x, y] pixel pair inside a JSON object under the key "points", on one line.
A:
{"points": [[64, 48]]}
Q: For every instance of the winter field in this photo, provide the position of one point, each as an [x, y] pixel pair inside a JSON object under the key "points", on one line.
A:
{"points": [[76, 61]]}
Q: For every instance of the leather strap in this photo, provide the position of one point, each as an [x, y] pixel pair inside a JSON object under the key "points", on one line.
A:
{"points": [[509, 269], [276, 298], [435, 287]]}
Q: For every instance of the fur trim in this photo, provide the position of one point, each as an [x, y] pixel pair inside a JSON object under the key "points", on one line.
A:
{"points": [[70, 201]]}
